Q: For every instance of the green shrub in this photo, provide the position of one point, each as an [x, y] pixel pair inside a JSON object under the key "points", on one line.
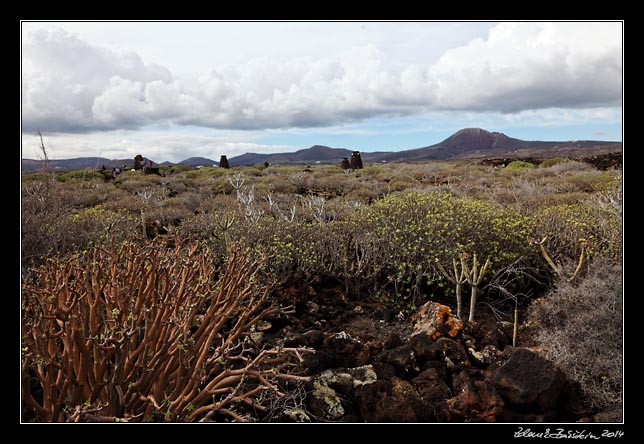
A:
{"points": [[80, 175], [415, 229], [520, 164], [175, 169], [98, 226], [553, 161]]}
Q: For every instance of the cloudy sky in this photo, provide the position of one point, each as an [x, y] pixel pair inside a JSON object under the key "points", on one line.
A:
{"points": [[173, 90]]}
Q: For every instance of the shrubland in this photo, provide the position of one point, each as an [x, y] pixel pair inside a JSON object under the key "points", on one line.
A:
{"points": [[395, 233]]}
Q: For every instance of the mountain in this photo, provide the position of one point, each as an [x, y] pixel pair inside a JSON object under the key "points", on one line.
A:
{"points": [[79, 163], [476, 142], [466, 143], [195, 161], [316, 153]]}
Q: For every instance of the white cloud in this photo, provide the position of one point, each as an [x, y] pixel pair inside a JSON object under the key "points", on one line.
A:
{"points": [[70, 85], [63, 78], [523, 66]]}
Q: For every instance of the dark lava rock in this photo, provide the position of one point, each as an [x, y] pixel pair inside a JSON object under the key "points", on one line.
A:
{"points": [[318, 361], [391, 401], [439, 365], [311, 338], [424, 347], [348, 351], [393, 341], [431, 387], [496, 338], [455, 354], [384, 371], [528, 379], [402, 358], [475, 401]]}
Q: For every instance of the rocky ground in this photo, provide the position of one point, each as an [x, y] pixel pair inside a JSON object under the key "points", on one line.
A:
{"points": [[372, 364]]}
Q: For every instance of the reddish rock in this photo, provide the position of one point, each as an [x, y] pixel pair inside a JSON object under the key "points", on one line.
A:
{"points": [[475, 401], [431, 387], [436, 320]]}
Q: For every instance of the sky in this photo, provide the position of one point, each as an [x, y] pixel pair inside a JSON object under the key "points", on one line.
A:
{"points": [[174, 90]]}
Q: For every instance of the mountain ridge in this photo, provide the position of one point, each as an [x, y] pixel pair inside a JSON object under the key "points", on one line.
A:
{"points": [[465, 143]]}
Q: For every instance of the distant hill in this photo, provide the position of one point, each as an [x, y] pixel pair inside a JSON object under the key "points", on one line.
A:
{"points": [[80, 163], [466, 143], [476, 142], [316, 153]]}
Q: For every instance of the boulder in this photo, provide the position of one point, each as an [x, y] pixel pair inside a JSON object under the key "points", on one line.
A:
{"points": [[475, 401], [318, 361], [402, 358], [431, 387], [346, 380], [323, 401], [436, 320], [424, 347], [393, 341], [348, 351], [391, 401], [527, 379], [455, 354]]}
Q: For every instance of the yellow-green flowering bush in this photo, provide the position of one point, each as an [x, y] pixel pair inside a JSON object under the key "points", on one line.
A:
{"points": [[97, 225], [414, 229]]}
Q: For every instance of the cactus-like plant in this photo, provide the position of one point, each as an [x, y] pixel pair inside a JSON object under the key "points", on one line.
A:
{"points": [[137, 333], [474, 277], [225, 223], [457, 277]]}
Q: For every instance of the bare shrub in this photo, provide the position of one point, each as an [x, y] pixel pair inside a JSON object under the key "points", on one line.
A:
{"points": [[54, 220], [571, 166], [147, 333], [547, 163], [171, 213], [568, 227], [579, 326]]}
